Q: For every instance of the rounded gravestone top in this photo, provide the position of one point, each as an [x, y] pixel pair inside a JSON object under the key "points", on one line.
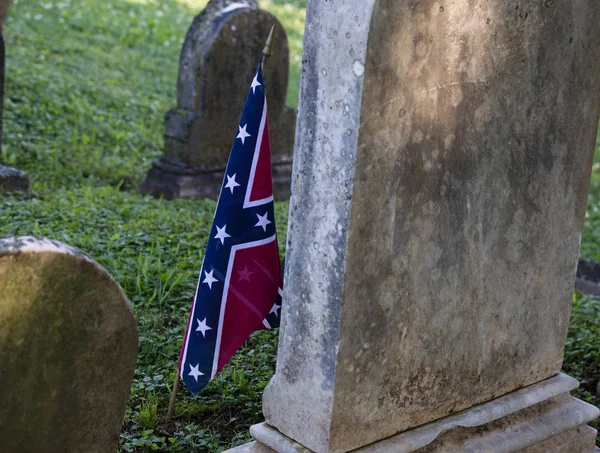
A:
{"points": [[68, 347], [218, 60]]}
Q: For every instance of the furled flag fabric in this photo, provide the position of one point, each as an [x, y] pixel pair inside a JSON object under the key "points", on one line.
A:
{"points": [[239, 290]]}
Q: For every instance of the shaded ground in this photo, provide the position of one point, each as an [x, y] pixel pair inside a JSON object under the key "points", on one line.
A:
{"points": [[88, 84]]}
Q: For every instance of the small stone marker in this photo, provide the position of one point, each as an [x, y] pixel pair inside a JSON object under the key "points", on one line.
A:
{"points": [[588, 277], [441, 172], [13, 180], [218, 58], [68, 346]]}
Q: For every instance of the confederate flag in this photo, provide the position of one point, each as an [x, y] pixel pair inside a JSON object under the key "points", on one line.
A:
{"points": [[239, 290]]}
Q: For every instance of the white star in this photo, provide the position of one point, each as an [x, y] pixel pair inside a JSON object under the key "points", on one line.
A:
{"points": [[209, 279], [255, 83], [274, 309], [222, 234], [263, 221], [195, 372], [231, 183], [245, 274], [202, 327], [243, 134]]}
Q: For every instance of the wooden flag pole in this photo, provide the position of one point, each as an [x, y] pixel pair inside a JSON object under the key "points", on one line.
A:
{"points": [[266, 54], [173, 397]]}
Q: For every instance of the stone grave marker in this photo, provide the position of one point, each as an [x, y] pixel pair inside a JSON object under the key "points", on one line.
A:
{"points": [[441, 172], [217, 62], [11, 179], [588, 277], [68, 347], [4, 5]]}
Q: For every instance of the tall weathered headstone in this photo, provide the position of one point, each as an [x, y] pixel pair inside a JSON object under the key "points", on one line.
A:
{"points": [[11, 179], [441, 171], [218, 59], [68, 346]]}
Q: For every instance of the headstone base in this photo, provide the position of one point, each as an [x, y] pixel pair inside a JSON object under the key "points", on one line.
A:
{"points": [[169, 182], [588, 277], [13, 180], [543, 417]]}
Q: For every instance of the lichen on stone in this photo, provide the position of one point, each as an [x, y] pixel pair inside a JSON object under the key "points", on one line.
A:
{"points": [[33, 244]]}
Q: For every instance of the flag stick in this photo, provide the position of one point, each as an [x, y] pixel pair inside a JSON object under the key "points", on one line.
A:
{"points": [[266, 54], [173, 397]]}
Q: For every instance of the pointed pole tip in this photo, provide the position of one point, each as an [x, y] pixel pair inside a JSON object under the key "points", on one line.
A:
{"points": [[269, 44], [268, 50]]}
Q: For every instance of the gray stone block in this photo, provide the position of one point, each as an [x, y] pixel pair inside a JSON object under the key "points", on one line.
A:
{"points": [[252, 447], [577, 440], [441, 172], [555, 425]]}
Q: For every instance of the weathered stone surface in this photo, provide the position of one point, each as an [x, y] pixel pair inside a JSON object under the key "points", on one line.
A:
{"points": [[499, 412], [68, 346], [541, 428], [13, 180], [252, 447], [522, 421], [513, 422], [578, 440], [268, 437], [171, 182], [441, 172], [217, 63], [4, 5]]}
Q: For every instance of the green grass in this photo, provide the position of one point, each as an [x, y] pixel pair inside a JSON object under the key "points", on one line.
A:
{"points": [[88, 84]]}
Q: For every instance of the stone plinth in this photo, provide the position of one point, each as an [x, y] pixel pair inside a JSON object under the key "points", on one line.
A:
{"points": [[217, 63], [540, 418], [68, 346], [441, 172]]}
